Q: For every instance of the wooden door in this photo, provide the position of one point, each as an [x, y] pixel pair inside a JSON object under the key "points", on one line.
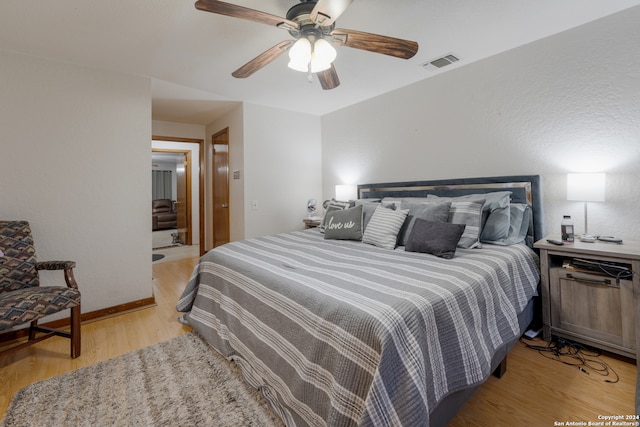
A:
{"points": [[220, 142], [183, 198]]}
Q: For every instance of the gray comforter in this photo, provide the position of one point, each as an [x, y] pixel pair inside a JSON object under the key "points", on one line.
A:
{"points": [[343, 333]]}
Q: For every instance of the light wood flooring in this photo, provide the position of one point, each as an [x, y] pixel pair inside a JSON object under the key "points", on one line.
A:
{"points": [[535, 391]]}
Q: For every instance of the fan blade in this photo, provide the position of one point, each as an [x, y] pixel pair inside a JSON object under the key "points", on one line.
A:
{"points": [[385, 45], [328, 78], [262, 60], [241, 12], [325, 12]]}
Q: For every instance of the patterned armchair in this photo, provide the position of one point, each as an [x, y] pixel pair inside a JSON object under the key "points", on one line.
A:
{"points": [[22, 299]]}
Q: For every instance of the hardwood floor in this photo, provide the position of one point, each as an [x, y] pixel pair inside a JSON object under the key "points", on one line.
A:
{"points": [[534, 391], [102, 339], [537, 391]]}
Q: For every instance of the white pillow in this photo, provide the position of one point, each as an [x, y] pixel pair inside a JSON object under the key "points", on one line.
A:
{"points": [[384, 226]]}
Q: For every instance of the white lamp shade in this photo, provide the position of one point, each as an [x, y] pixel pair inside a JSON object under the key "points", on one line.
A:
{"points": [[586, 187], [300, 55], [323, 55], [344, 193]]}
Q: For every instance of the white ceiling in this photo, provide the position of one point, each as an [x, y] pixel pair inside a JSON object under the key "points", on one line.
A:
{"points": [[190, 54]]}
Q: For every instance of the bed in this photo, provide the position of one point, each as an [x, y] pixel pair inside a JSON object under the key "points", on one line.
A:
{"points": [[339, 332]]}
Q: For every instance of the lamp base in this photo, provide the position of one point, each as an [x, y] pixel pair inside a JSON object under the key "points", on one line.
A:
{"points": [[587, 238]]}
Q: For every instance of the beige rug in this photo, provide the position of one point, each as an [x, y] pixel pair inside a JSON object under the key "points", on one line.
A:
{"points": [[181, 382]]}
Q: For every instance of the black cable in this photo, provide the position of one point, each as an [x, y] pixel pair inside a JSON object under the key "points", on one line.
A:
{"points": [[574, 354], [609, 269]]}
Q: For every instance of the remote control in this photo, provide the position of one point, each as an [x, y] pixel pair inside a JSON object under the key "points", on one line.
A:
{"points": [[555, 242], [609, 239]]}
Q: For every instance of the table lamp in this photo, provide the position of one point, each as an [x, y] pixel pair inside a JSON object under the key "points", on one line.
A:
{"points": [[585, 187], [346, 193]]}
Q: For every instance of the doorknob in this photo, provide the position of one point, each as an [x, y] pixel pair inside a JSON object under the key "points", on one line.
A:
{"points": [[224, 205]]}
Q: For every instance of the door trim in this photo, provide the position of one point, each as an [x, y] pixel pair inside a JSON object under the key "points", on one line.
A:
{"points": [[201, 178]]}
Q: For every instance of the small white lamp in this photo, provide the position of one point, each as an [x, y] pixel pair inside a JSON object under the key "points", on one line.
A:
{"points": [[585, 187], [345, 193]]}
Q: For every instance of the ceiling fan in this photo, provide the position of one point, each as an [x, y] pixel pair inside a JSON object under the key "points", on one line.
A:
{"points": [[312, 24]]}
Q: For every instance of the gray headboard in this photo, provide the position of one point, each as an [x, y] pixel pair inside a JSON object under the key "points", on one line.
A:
{"points": [[524, 188]]}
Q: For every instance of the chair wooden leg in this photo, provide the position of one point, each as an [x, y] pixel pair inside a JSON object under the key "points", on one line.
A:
{"points": [[76, 340], [32, 330]]}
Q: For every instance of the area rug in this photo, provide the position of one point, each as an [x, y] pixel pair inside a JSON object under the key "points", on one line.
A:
{"points": [[180, 382], [156, 257]]}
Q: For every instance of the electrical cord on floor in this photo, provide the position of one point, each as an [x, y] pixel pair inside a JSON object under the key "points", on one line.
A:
{"points": [[574, 354]]}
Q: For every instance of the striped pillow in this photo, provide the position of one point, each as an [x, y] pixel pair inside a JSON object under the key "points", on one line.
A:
{"points": [[470, 214], [384, 226]]}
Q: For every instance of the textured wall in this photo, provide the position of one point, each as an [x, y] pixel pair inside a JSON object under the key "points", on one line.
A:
{"points": [[568, 103], [281, 168], [75, 159]]}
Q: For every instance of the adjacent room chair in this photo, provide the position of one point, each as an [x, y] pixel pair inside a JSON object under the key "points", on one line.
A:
{"points": [[22, 299], [163, 214]]}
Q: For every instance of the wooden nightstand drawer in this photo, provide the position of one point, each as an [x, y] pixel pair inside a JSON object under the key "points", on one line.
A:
{"points": [[580, 305], [312, 222], [595, 309]]}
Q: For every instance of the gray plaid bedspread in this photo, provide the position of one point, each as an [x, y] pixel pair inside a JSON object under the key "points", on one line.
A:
{"points": [[343, 333]]}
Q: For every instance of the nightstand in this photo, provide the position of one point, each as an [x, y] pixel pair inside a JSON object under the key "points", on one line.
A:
{"points": [[589, 306], [312, 222]]}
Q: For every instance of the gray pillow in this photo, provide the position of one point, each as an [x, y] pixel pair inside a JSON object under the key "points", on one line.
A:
{"points": [[384, 226], [470, 214], [495, 212], [331, 205], [492, 200], [435, 238], [366, 201], [431, 211], [344, 224], [369, 208]]}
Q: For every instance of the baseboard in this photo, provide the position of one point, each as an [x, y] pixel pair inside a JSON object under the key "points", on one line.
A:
{"points": [[91, 316]]}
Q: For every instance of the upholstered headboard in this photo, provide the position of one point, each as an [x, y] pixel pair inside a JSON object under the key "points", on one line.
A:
{"points": [[524, 188]]}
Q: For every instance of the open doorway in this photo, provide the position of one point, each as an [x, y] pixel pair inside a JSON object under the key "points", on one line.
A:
{"points": [[182, 226], [171, 198]]}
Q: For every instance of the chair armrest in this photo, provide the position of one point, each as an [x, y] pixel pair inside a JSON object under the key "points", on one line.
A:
{"points": [[67, 266], [55, 265]]}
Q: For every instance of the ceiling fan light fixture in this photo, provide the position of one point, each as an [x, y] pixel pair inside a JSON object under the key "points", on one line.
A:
{"points": [[310, 22], [300, 55], [323, 55], [305, 59]]}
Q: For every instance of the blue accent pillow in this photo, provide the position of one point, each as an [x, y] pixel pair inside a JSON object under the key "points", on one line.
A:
{"points": [[496, 227], [520, 218]]}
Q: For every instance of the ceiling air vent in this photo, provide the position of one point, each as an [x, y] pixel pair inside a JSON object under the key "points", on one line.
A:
{"points": [[440, 62]]}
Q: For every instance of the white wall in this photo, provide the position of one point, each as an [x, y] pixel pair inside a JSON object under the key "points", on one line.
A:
{"points": [[568, 103], [75, 162], [282, 170], [177, 130]]}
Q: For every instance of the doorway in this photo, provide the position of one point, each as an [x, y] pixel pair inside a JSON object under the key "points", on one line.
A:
{"points": [[171, 170], [189, 207]]}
